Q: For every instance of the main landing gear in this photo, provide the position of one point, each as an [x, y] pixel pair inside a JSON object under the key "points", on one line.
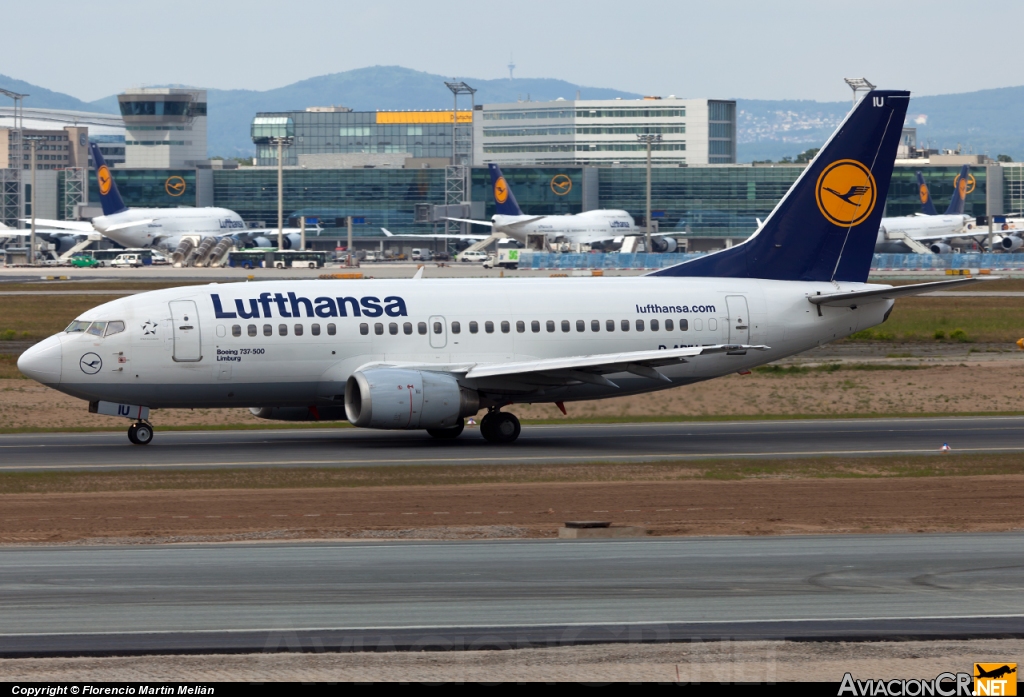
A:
{"points": [[140, 433], [500, 427]]}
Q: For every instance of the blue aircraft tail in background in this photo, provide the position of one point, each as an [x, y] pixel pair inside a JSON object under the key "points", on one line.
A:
{"points": [[504, 200], [826, 225], [927, 207], [960, 186], [110, 199]]}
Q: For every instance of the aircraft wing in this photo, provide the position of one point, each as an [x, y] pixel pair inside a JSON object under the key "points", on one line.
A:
{"points": [[133, 223], [488, 223], [429, 236], [863, 297], [76, 225]]}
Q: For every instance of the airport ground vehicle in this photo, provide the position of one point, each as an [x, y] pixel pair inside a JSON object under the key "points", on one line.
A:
{"points": [[426, 353], [271, 258], [422, 255], [470, 257], [90, 258], [506, 258], [129, 259]]}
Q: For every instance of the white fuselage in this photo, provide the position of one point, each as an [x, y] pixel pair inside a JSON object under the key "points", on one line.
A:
{"points": [[925, 228], [581, 228], [305, 338], [164, 227]]}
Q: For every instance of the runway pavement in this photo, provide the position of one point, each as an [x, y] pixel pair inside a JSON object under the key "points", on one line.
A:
{"points": [[538, 444], [404, 595]]}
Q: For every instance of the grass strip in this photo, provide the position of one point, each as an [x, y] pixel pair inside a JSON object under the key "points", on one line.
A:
{"points": [[938, 465]]}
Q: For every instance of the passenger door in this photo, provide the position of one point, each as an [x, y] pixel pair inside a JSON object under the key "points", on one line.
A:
{"points": [[739, 319], [188, 346]]}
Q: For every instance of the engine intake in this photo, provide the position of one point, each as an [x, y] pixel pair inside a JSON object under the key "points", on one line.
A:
{"points": [[1011, 243], [407, 399], [941, 248]]}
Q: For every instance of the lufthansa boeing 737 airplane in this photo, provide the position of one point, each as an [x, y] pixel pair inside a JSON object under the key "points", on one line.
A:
{"points": [[426, 353]]}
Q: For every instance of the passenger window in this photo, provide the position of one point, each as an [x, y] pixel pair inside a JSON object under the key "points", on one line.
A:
{"points": [[407, 327], [535, 326], [489, 327], [438, 328], [421, 327], [364, 328], [236, 330], [595, 325], [609, 325], [625, 325], [282, 329], [669, 325], [698, 325], [332, 330], [639, 325], [221, 331], [115, 327], [713, 324], [393, 328], [520, 326], [654, 325], [565, 325], [684, 325], [378, 328], [268, 330], [252, 330], [298, 330], [456, 327], [315, 329], [97, 328], [473, 327], [581, 326], [551, 325]]}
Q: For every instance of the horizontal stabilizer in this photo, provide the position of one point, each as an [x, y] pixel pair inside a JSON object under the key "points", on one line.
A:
{"points": [[862, 297]]}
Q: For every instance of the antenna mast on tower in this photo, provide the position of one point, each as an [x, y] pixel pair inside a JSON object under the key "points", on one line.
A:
{"points": [[511, 66]]}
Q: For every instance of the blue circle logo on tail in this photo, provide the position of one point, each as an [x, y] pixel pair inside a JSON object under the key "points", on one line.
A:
{"points": [[103, 179], [924, 193], [500, 190], [965, 187], [846, 193]]}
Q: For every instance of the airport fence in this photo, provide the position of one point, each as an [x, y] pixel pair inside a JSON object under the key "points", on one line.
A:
{"points": [[881, 262]]}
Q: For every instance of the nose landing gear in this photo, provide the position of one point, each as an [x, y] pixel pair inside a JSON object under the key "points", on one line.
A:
{"points": [[140, 433], [500, 427]]}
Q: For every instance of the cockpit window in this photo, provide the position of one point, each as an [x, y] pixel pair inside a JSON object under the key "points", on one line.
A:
{"points": [[77, 326], [115, 327], [96, 328]]}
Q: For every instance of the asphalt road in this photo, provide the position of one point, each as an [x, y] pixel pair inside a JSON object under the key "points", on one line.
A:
{"points": [[538, 444], [371, 596]]}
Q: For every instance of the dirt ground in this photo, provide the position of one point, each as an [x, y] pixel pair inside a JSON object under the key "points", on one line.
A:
{"points": [[745, 507], [990, 386], [692, 662]]}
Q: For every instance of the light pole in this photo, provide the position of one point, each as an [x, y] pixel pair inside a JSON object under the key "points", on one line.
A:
{"points": [[281, 141], [33, 141], [649, 139]]}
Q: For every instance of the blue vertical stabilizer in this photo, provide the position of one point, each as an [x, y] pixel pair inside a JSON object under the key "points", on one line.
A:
{"points": [[826, 225], [960, 186], [927, 207], [110, 199], [504, 200]]}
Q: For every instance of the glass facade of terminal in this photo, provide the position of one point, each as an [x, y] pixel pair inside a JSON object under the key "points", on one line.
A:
{"points": [[419, 133], [159, 188], [538, 190]]}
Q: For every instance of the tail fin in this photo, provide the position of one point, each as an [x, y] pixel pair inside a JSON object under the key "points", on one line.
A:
{"points": [[927, 207], [504, 200], [110, 199], [826, 225], [960, 185]]}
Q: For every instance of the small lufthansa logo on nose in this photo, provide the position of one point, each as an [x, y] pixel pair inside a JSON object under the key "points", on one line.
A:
{"points": [[90, 364], [846, 192]]}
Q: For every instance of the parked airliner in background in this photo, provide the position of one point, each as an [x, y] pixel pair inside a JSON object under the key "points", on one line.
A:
{"points": [[930, 231], [146, 227], [426, 353]]}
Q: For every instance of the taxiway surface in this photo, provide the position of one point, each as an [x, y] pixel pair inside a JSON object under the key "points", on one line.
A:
{"points": [[370, 596], [538, 444]]}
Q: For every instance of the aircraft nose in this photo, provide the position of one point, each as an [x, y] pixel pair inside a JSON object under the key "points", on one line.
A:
{"points": [[42, 362]]}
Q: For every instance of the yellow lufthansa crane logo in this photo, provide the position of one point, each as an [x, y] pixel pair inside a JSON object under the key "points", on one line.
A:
{"points": [[924, 193], [104, 180], [965, 187], [174, 186], [846, 193], [501, 190], [561, 184]]}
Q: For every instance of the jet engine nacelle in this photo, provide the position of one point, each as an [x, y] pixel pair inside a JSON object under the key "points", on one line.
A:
{"points": [[941, 248], [664, 245], [407, 399], [63, 242], [1012, 244], [292, 240], [262, 242]]}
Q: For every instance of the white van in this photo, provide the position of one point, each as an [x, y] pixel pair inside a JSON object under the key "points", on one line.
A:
{"points": [[131, 259], [422, 255]]}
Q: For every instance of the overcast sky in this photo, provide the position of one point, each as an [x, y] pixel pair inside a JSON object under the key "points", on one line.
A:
{"points": [[756, 49]]}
